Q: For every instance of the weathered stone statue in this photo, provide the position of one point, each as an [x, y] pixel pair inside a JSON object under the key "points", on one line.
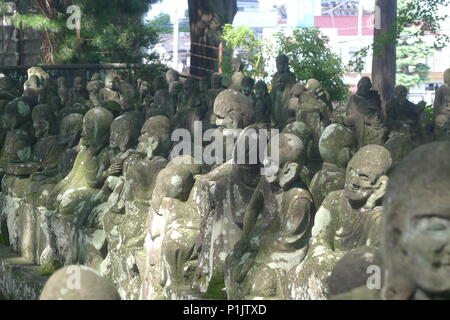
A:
{"points": [[414, 232], [281, 98], [336, 145], [78, 93], [263, 103], [63, 91], [45, 156], [126, 212], [364, 115], [228, 193], [282, 62], [189, 97], [109, 95], [442, 109], [402, 111], [400, 143], [78, 283], [174, 228], [276, 230], [237, 67], [33, 91], [247, 88], [88, 173], [347, 219], [172, 76], [161, 105], [93, 87], [216, 88], [296, 92], [314, 109], [175, 90], [18, 140]]}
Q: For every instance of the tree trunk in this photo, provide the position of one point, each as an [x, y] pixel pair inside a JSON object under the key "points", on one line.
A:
{"points": [[207, 18], [384, 58]]}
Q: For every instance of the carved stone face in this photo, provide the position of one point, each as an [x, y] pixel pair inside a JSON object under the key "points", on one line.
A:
{"points": [[260, 90], [236, 64], [78, 84], [337, 142], [401, 94], [416, 220], [282, 64], [41, 128], [364, 87], [154, 136], [71, 129], [247, 86], [364, 172], [233, 110], [171, 76], [291, 151], [124, 132], [96, 126]]}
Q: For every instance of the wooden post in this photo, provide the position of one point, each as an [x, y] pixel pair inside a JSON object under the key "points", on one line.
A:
{"points": [[220, 56], [79, 43]]}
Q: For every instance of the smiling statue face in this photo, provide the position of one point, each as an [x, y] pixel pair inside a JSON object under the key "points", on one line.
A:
{"points": [[364, 171]]}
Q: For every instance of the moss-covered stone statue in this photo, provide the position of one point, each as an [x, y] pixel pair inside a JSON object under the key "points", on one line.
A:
{"points": [[364, 115], [78, 92], [442, 110], [237, 67], [263, 103], [93, 87], [216, 88], [172, 76], [314, 109], [88, 173], [281, 99], [337, 146], [347, 219], [63, 91], [17, 145], [247, 88], [282, 63], [109, 96], [415, 242], [400, 143], [276, 230], [46, 153], [402, 111]]}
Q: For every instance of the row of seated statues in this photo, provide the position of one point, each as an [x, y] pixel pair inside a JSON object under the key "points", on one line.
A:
{"points": [[92, 175]]}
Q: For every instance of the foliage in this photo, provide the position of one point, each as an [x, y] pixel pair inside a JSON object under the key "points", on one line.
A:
{"points": [[310, 58], [426, 16], [112, 30], [249, 48], [411, 51], [162, 24]]}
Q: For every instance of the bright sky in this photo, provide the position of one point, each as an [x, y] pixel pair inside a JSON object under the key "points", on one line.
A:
{"points": [[167, 6]]}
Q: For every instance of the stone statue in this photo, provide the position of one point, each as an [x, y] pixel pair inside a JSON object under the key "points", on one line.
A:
{"points": [[93, 87], [237, 67], [189, 97], [364, 115], [45, 156], [78, 93], [109, 96], [337, 146], [33, 91], [314, 109], [18, 140], [247, 88], [77, 282], [400, 143], [88, 173], [172, 76], [175, 90], [442, 109], [402, 111], [347, 219], [281, 98], [63, 91], [415, 241], [216, 88], [282, 62], [263, 103], [296, 92], [276, 230], [161, 105]]}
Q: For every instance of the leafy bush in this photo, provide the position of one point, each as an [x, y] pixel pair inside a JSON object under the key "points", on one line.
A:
{"points": [[310, 58]]}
